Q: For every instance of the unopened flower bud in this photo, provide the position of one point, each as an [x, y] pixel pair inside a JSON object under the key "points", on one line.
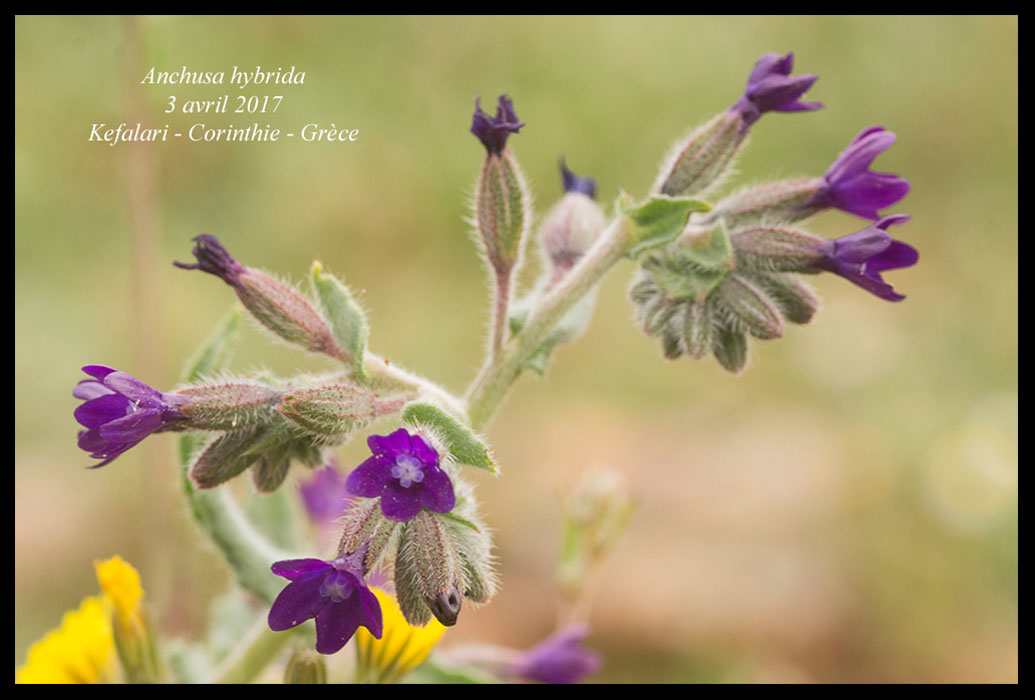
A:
{"points": [[427, 571], [278, 306], [307, 667], [228, 405], [596, 512], [571, 226], [700, 160], [776, 249], [502, 210], [132, 634], [335, 410]]}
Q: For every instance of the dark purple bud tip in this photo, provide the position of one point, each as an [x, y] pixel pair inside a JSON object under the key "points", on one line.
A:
{"points": [[851, 186], [862, 256], [214, 259], [574, 183], [404, 472], [493, 132], [772, 88], [446, 606], [118, 411]]}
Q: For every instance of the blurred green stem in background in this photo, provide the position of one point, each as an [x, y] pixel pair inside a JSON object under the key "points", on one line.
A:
{"points": [[500, 370]]}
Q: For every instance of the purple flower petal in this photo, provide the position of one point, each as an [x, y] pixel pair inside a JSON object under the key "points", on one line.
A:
{"points": [[851, 186], [422, 450], [90, 389], [332, 592], [389, 445], [400, 503], [293, 569], [437, 491], [369, 478], [326, 495], [560, 658], [96, 412], [133, 389], [771, 88], [574, 183], [214, 259], [133, 427], [335, 625], [299, 601], [493, 132], [861, 257], [119, 411], [98, 371]]}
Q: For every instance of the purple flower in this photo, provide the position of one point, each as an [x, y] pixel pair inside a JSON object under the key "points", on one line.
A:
{"points": [[493, 132], [214, 259], [118, 411], [559, 658], [862, 256], [404, 471], [771, 88], [331, 591], [574, 183], [849, 185], [325, 495]]}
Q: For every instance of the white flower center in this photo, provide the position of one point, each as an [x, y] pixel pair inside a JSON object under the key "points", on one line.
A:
{"points": [[407, 470]]}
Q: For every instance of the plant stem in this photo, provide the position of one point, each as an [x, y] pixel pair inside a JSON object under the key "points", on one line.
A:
{"points": [[491, 386], [499, 315], [259, 646]]}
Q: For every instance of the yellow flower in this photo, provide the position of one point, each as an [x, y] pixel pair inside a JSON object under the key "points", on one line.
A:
{"points": [[81, 650], [121, 583], [402, 647]]}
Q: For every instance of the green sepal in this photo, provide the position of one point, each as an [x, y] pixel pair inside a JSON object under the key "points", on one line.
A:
{"points": [[680, 277], [465, 446], [711, 249], [348, 324], [658, 221]]}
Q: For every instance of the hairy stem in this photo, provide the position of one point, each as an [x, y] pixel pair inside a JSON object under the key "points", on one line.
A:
{"points": [[501, 304], [490, 387]]}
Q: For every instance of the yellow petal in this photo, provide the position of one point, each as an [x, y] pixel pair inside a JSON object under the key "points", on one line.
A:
{"points": [[402, 647], [121, 583], [81, 650]]}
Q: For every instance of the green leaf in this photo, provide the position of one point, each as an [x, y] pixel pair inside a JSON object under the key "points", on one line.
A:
{"points": [[711, 249], [348, 325], [658, 221], [466, 447]]}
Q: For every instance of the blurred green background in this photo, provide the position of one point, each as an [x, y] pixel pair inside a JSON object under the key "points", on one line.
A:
{"points": [[844, 511]]}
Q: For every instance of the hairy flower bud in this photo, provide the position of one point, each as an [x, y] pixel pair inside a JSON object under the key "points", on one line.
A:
{"points": [[335, 410], [700, 160], [596, 511], [502, 209], [776, 249], [228, 405], [278, 306], [428, 571], [305, 667], [571, 226]]}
